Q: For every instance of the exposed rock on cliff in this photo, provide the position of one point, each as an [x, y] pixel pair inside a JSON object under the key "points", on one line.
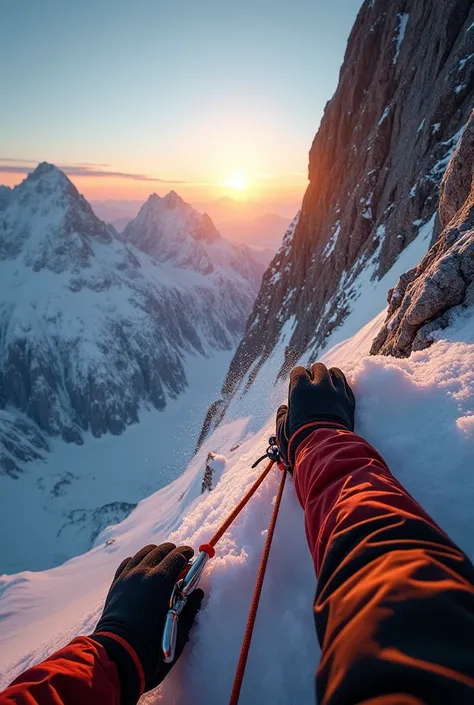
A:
{"points": [[429, 297], [405, 92]]}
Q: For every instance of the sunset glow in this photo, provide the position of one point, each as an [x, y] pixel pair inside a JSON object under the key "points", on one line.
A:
{"points": [[238, 182], [183, 108]]}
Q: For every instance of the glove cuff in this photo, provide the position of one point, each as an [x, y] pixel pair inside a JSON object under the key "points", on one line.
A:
{"points": [[302, 433], [129, 667]]}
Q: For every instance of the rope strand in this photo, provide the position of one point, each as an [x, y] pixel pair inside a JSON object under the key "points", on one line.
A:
{"points": [[275, 458], [239, 675], [220, 532]]}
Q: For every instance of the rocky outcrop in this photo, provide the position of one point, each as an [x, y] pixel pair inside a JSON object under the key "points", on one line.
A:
{"points": [[429, 297], [206, 485], [215, 465], [20, 442], [405, 92]]}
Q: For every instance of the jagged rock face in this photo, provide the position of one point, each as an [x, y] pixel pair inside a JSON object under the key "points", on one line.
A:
{"points": [[428, 298], [405, 92], [20, 442], [90, 327]]}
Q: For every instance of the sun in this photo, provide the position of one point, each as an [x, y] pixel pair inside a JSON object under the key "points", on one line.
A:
{"points": [[238, 182]]}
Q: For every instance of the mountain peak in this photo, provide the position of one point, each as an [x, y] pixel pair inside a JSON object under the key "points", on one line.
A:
{"points": [[172, 200], [171, 230], [5, 194], [49, 223], [45, 168], [49, 178], [153, 198]]}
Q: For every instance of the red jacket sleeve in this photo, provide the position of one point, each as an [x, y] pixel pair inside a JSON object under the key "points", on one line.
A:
{"points": [[394, 608], [79, 674]]}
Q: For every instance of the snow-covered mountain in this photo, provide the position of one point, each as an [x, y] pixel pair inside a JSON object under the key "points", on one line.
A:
{"points": [[91, 328], [172, 231], [94, 331]]}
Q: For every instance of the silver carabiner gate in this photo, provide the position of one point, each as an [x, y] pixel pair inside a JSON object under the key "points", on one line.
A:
{"points": [[181, 591]]}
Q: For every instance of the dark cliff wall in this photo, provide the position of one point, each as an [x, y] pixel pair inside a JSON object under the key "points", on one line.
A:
{"points": [[406, 90]]}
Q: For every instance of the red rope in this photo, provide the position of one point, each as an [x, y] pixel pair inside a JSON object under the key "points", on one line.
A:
{"points": [[239, 675], [209, 549], [218, 535]]}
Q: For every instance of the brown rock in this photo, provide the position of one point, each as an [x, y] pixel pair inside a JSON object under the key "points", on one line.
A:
{"points": [[443, 283], [375, 169]]}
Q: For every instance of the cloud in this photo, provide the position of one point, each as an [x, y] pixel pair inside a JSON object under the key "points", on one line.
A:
{"points": [[24, 166], [18, 161], [91, 164]]}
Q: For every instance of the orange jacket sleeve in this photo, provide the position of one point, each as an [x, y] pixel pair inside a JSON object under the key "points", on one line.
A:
{"points": [[394, 607], [79, 674]]}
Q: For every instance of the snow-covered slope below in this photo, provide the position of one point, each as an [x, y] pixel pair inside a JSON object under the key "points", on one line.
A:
{"points": [[54, 509], [416, 412]]}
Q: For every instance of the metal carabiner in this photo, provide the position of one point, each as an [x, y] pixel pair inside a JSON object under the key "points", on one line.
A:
{"points": [[170, 630], [193, 576], [181, 591]]}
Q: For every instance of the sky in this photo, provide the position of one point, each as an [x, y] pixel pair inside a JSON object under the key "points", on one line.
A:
{"points": [[210, 98]]}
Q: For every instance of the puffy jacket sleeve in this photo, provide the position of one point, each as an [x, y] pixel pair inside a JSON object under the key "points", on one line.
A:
{"points": [[79, 673], [394, 607]]}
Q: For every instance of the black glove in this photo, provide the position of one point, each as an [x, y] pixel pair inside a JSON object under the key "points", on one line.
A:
{"points": [[135, 611], [317, 394]]}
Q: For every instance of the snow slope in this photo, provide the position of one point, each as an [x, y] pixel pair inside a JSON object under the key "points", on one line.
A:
{"points": [[418, 413], [53, 510]]}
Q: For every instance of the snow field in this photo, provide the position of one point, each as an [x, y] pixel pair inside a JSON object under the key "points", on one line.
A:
{"points": [[416, 412]]}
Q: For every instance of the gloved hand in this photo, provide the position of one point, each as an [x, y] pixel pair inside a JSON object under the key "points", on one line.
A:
{"points": [[315, 395], [135, 611]]}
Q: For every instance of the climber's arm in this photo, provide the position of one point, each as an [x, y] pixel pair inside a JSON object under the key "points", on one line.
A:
{"points": [[122, 658], [81, 672], [394, 608], [395, 603]]}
